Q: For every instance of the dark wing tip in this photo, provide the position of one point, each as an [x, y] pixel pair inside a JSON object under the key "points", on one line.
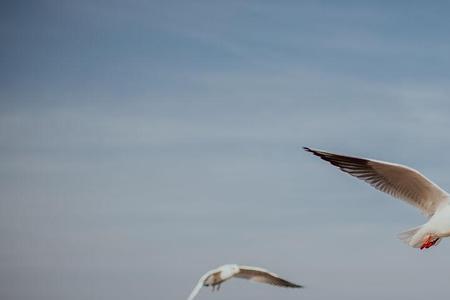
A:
{"points": [[297, 286], [289, 284], [315, 152]]}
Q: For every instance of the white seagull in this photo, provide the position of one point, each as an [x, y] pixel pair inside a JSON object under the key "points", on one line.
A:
{"points": [[404, 183], [215, 277]]}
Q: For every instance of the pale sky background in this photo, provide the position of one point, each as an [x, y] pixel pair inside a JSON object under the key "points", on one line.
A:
{"points": [[143, 143]]}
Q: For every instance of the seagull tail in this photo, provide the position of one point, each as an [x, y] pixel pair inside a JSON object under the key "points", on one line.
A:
{"points": [[408, 237]]}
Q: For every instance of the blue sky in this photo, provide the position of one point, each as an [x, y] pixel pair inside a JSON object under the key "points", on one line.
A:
{"points": [[143, 143]]}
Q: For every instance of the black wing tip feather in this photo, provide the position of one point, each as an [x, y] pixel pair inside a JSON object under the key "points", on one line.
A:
{"points": [[336, 159], [296, 286], [288, 284], [322, 155], [313, 151]]}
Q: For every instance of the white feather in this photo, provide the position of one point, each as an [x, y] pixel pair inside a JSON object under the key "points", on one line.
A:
{"points": [[199, 284]]}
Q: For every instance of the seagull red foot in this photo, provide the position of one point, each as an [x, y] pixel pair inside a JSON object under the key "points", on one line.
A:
{"points": [[430, 241]]}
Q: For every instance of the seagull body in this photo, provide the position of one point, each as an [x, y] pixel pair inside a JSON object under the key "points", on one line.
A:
{"points": [[404, 183], [215, 277]]}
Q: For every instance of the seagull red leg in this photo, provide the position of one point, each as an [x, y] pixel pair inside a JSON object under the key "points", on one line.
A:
{"points": [[429, 242]]}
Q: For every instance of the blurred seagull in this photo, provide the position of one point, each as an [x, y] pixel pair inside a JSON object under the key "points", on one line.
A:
{"points": [[404, 183], [215, 277]]}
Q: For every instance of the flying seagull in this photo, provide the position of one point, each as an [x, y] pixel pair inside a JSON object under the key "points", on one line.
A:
{"points": [[404, 183], [215, 277]]}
